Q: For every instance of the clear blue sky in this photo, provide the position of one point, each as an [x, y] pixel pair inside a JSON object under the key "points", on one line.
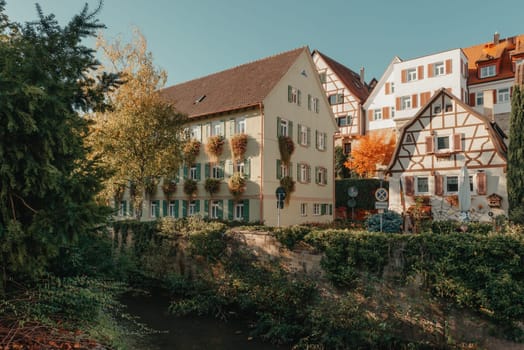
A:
{"points": [[193, 38]]}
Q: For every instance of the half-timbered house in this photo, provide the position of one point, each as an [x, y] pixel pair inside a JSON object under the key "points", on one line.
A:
{"points": [[445, 135]]}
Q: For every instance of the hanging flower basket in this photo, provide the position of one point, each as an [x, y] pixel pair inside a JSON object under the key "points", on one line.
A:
{"points": [[151, 186], [286, 147], [289, 185], [239, 146], [215, 146], [191, 151], [190, 187], [212, 186], [169, 187], [237, 184]]}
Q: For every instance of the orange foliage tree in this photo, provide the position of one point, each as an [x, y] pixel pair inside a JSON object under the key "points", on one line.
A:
{"points": [[370, 150]]}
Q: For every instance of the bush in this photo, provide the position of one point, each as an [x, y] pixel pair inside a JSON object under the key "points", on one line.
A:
{"points": [[391, 222], [289, 236]]}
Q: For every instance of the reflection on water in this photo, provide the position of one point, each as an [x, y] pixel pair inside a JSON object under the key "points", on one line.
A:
{"points": [[188, 332]]}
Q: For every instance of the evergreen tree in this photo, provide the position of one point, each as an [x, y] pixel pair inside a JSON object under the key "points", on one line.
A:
{"points": [[47, 181], [515, 174]]}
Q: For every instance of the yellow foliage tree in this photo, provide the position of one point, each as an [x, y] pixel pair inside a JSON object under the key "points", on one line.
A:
{"points": [[370, 151]]}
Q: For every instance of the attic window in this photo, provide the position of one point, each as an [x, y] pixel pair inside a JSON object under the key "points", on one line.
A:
{"points": [[488, 71], [200, 99]]}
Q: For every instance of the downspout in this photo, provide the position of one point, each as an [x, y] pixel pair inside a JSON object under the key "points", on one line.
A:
{"points": [[261, 194]]}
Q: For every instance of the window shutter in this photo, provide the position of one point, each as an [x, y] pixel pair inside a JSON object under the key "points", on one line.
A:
{"points": [[370, 115], [197, 206], [185, 171], [125, 208], [457, 142], [308, 102], [289, 93], [184, 208], [472, 99], [298, 134], [404, 75], [221, 171], [385, 112], [323, 209], [247, 168], [176, 208], [420, 72], [230, 207], [206, 208], [324, 136], [414, 102], [308, 136], [279, 169], [448, 67], [397, 104], [316, 177], [439, 185], [278, 126], [299, 167], [246, 210], [316, 139], [387, 88], [207, 170], [198, 171], [299, 97], [164, 207], [325, 176], [430, 70], [157, 209], [429, 144], [220, 212], [482, 183], [495, 96], [409, 182], [290, 128], [131, 209], [308, 172]]}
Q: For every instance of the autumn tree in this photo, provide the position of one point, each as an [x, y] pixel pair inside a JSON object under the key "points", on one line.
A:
{"points": [[370, 151], [140, 138]]}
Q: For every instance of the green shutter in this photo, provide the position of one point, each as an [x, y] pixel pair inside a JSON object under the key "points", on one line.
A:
{"points": [[290, 131], [324, 136], [221, 171], [308, 171], [131, 211], [308, 102], [230, 205], [299, 97], [220, 209], [323, 209], [157, 209], [164, 207], [184, 208], [308, 136], [298, 172], [279, 169], [198, 171], [206, 208], [207, 169], [185, 171], [316, 139], [316, 172], [247, 168], [197, 206], [125, 208], [289, 93], [278, 126], [298, 134], [176, 208], [246, 210]]}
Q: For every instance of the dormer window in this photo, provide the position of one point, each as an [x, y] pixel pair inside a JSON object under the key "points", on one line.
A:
{"points": [[488, 71]]}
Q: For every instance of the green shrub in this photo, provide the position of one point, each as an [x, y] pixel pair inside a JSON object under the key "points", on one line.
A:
{"points": [[289, 236], [391, 222]]}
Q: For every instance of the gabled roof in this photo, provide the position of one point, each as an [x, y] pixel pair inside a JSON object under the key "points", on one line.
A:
{"points": [[492, 127], [495, 52], [383, 79], [348, 77], [243, 86]]}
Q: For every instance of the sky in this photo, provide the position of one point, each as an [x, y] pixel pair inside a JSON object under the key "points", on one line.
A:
{"points": [[194, 38]]}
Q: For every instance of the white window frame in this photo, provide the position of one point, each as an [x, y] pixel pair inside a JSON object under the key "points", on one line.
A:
{"points": [[153, 210], [196, 132], [503, 95], [193, 173], [238, 211], [316, 209], [377, 114], [405, 102], [411, 74], [418, 181], [438, 69], [240, 167], [320, 141], [217, 128], [216, 171], [240, 126], [303, 135], [284, 170], [191, 210], [171, 209], [214, 209], [294, 95], [303, 209], [304, 170], [321, 176], [479, 98], [284, 127], [488, 71], [336, 99], [122, 208], [446, 183]]}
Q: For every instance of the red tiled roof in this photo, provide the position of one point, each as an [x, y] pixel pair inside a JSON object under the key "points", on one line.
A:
{"points": [[239, 87], [348, 77], [499, 54]]}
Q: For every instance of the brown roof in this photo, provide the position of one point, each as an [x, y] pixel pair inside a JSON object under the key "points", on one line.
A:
{"points": [[491, 52], [350, 79], [239, 87]]}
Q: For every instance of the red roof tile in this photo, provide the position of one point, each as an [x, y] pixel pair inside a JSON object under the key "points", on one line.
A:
{"points": [[348, 77], [239, 87]]}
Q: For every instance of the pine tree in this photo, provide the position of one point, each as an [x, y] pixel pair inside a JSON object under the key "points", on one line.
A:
{"points": [[47, 182], [515, 174]]}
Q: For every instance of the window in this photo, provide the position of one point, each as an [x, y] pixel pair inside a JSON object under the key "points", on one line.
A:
{"points": [[193, 172], [411, 74], [154, 209], [217, 172], [321, 176], [437, 109], [422, 184], [392, 87], [377, 114], [303, 209], [479, 98], [316, 209], [438, 68], [503, 95], [172, 209], [192, 208], [240, 167], [284, 127], [215, 210], [323, 77], [284, 170], [238, 211], [293, 95], [303, 135], [315, 105], [309, 102], [303, 173], [122, 208], [405, 102], [217, 128], [487, 71], [443, 143], [336, 99], [241, 126], [449, 107], [347, 148], [392, 112], [321, 141], [451, 184], [196, 132], [345, 120]]}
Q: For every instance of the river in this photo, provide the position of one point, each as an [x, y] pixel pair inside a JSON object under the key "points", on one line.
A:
{"points": [[187, 333]]}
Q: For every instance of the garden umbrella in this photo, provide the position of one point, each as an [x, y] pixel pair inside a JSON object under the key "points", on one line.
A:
{"points": [[464, 193]]}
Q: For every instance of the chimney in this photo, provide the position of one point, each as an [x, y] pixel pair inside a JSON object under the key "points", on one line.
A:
{"points": [[496, 38], [362, 76], [489, 104]]}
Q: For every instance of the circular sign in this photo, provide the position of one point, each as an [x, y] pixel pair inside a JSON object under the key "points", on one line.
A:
{"points": [[280, 193], [381, 194], [352, 203], [352, 191]]}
